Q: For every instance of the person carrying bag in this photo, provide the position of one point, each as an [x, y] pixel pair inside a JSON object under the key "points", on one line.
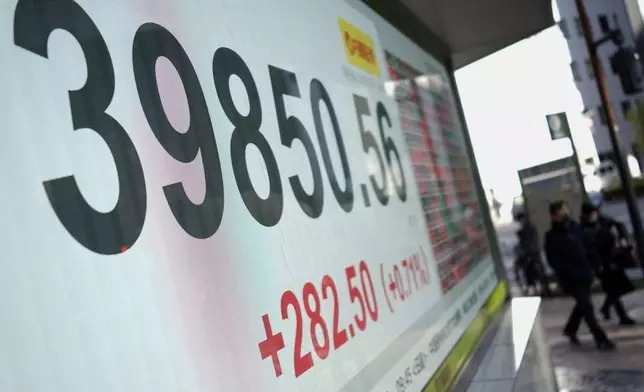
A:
{"points": [[574, 264], [614, 254]]}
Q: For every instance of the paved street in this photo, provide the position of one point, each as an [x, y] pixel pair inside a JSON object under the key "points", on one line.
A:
{"points": [[584, 368]]}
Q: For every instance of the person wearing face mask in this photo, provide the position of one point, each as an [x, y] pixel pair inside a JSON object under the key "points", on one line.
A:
{"points": [[574, 263], [610, 246]]}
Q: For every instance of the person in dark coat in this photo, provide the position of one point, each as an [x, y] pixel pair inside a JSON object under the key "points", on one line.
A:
{"points": [[529, 255], [611, 249], [525, 269], [574, 263], [606, 221]]}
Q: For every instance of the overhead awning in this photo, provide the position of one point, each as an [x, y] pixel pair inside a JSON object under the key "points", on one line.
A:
{"points": [[474, 29]]}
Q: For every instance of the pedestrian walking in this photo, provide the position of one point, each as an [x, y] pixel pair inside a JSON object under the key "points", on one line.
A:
{"points": [[574, 264], [527, 275], [614, 252], [529, 256], [496, 204]]}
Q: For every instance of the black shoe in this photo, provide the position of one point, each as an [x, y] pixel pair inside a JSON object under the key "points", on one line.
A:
{"points": [[574, 340], [606, 345], [627, 321]]}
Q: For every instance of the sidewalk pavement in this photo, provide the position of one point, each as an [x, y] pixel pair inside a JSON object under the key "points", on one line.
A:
{"points": [[586, 369]]}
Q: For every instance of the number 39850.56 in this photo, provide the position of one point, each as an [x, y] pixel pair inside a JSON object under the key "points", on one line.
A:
{"points": [[113, 231]]}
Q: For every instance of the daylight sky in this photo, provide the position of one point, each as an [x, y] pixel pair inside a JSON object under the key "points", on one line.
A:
{"points": [[506, 97]]}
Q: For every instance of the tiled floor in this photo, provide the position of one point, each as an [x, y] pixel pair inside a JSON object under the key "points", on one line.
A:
{"points": [[499, 363], [574, 380], [491, 386], [584, 368]]}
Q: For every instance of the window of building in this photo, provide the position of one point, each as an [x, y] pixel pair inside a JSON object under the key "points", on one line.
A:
{"points": [[589, 69], [575, 71], [580, 32], [601, 113], [603, 23], [564, 28], [626, 107]]}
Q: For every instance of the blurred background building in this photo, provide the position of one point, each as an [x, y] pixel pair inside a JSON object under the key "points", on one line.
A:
{"points": [[507, 96], [623, 16]]}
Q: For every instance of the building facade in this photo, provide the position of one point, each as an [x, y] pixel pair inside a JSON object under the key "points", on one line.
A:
{"points": [[604, 16]]}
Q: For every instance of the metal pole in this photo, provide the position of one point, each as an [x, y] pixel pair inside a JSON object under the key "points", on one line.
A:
{"points": [[575, 157], [624, 173]]}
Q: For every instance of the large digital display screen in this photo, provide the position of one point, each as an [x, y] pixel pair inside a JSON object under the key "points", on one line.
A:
{"points": [[229, 196]]}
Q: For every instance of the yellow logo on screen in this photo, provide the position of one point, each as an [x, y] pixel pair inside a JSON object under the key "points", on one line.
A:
{"points": [[360, 49]]}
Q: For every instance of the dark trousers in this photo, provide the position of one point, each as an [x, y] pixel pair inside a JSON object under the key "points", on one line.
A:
{"points": [[545, 286], [613, 300], [584, 310]]}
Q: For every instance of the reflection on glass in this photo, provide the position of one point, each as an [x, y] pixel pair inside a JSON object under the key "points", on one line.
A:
{"points": [[442, 170]]}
